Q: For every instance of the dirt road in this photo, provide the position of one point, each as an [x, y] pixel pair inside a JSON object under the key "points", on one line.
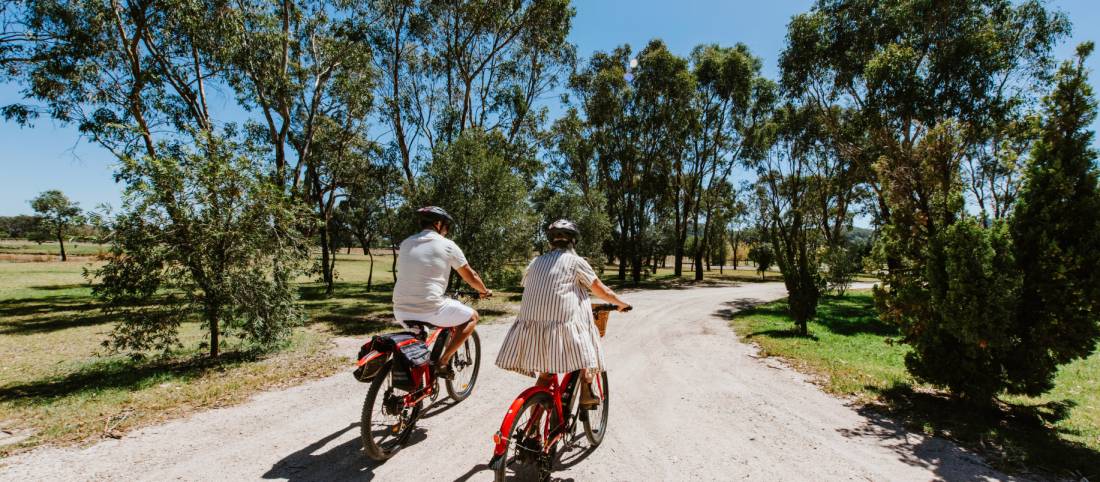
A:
{"points": [[689, 401]]}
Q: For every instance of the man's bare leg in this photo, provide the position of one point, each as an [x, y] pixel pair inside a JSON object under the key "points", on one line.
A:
{"points": [[461, 333]]}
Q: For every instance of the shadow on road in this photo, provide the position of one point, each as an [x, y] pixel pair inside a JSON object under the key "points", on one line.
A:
{"points": [[438, 408], [345, 461], [1013, 437], [342, 462]]}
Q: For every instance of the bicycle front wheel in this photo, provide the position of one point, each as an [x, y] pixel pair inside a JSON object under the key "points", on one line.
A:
{"points": [[467, 364], [595, 421], [527, 456]]}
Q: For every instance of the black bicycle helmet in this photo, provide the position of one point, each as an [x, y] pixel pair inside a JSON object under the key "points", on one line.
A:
{"points": [[435, 213], [563, 226]]}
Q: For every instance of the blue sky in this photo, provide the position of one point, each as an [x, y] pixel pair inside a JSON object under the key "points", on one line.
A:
{"points": [[51, 156]]}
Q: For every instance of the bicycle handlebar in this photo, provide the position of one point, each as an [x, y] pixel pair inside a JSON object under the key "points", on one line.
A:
{"points": [[467, 293], [608, 307]]}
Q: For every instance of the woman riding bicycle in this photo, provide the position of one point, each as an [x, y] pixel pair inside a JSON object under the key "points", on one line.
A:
{"points": [[554, 331]]}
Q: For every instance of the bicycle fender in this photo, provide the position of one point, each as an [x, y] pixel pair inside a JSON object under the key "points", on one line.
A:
{"points": [[499, 440], [369, 357]]}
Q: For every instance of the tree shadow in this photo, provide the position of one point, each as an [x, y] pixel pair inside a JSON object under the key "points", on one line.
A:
{"points": [[119, 373], [852, 315], [61, 287], [486, 312], [34, 306], [54, 323], [841, 315], [782, 334], [351, 321], [44, 315], [747, 306], [379, 293], [1012, 437], [669, 283]]}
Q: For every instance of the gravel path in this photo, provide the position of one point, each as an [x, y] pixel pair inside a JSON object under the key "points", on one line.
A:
{"points": [[689, 401]]}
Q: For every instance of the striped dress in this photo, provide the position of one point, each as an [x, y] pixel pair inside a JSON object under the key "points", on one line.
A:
{"points": [[554, 332]]}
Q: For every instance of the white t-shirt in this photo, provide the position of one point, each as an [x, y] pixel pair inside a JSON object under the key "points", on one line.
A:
{"points": [[423, 266]]}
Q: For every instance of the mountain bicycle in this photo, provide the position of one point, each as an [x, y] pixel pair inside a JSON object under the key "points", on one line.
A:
{"points": [[542, 417], [395, 400]]}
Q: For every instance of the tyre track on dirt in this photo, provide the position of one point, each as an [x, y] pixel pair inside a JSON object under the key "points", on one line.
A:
{"points": [[688, 401]]}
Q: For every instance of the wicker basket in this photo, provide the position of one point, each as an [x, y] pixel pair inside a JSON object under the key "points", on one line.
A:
{"points": [[601, 321]]}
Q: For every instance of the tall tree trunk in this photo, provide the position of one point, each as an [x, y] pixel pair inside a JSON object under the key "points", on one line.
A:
{"points": [[370, 274], [736, 245], [364, 241], [636, 267], [678, 263], [326, 268], [61, 242], [622, 252], [393, 265], [212, 318], [700, 249]]}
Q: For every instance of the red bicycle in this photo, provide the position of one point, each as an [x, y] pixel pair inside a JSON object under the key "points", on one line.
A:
{"points": [[542, 417], [397, 393]]}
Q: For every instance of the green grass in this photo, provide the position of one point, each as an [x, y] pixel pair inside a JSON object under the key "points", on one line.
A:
{"points": [[50, 248], [853, 354], [59, 385]]}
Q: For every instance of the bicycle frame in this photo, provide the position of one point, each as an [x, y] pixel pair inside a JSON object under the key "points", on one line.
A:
{"points": [[425, 382], [555, 390]]}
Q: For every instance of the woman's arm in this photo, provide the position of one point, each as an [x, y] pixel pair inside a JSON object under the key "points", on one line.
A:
{"points": [[601, 290]]}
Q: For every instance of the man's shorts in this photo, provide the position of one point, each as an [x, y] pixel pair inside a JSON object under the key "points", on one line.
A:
{"points": [[453, 313]]}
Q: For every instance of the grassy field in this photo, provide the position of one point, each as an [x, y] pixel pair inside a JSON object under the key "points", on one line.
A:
{"points": [[59, 385], [12, 247], [849, 350]]}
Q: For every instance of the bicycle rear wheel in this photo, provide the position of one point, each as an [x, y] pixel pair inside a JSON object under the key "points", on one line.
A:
{"points": [[526, 457], [386, 422], [595, 421], [467, 364]]}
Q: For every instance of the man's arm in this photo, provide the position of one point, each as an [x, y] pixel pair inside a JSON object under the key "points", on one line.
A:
{"points": [[474, 280], [601, 290]]}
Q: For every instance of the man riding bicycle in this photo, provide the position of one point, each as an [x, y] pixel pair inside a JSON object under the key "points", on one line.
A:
{"points": [[554, 331], [424, 265]]}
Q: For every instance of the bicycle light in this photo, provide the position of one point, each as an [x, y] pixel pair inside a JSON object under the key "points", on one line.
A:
{"points": [[496, 438]]}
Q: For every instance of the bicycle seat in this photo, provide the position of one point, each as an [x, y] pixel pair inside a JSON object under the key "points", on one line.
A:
{"points": [[421, 328], [418, 324]]}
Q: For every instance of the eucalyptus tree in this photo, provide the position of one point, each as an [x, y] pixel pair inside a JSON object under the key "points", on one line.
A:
{"points": [[56, 214], [15, 38], [634, 117], [134, 77], [449, 66], [737, 220], [363, 213], [787, 178], [902, 67], [235, 268], [471, 178], [731, 103]]}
